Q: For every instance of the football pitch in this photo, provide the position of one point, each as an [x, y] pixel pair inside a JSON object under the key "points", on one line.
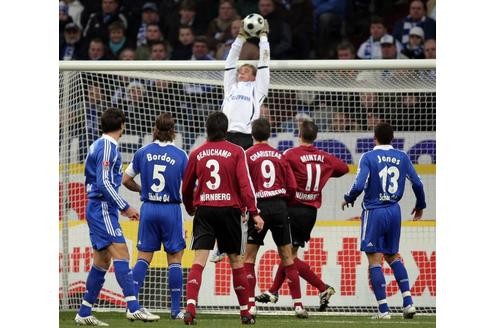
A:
{"points": [[117, 319]]}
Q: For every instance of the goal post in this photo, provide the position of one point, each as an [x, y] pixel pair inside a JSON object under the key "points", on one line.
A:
{"points": [[345, 98]]}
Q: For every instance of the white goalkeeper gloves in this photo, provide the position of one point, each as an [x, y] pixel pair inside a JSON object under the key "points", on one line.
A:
{"points": [[242, 33], [265, 29]]}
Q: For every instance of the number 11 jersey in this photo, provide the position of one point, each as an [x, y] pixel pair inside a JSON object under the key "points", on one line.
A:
{"points": [[312, 168]]}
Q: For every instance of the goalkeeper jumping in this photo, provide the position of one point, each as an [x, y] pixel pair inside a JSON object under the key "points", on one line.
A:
{"points": [[245, 88]]}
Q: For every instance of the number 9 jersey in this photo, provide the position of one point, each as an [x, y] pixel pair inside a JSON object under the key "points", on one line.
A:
{"points": [[382, 173], [312, 168]]}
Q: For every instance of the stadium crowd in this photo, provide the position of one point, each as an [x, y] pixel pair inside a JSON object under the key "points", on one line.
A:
{"points": [[205, 29]]}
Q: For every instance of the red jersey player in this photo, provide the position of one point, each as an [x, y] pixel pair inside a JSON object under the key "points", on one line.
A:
{"points": [[223, 188], [274, 183], [312, 169]]}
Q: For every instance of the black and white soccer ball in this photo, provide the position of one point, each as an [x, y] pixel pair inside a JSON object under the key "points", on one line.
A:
{"points": [[253, 24]]}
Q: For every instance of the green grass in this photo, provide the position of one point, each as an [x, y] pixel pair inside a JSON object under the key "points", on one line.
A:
{"points": [[117, 319]]}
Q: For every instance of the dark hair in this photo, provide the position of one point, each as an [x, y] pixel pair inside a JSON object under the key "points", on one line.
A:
{"points": [[201, 39], [384, 133], [309, 131], [377, 20], [164, 128], [216, 126], [260, 129], [162, 42], [346, 45], [112, 120], [189, 5]]}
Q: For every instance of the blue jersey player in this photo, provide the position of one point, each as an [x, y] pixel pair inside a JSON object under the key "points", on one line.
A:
{"points": [[161, 165], [103, 173], [382, 174]]}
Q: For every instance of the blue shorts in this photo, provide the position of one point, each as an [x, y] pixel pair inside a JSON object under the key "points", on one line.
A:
{"points": [[103, 223], [380, 230], [161, 224]]}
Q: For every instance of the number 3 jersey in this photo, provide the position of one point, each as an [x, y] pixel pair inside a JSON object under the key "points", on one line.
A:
{"points": [[270, 172], [382, 173], [312, 168], [161, 166], [222, 176]]}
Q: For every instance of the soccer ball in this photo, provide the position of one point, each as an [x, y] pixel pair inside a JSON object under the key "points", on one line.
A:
{"points": [[253, 24]]}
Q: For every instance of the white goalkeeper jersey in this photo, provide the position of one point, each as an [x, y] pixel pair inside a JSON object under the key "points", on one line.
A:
{"points": [[242, 100]]}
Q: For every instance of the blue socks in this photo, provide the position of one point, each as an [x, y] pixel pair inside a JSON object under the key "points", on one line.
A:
{"points": [[402, 279], [94, 283], [175, 287], [126, 281], [139, 273], [378, 283]]}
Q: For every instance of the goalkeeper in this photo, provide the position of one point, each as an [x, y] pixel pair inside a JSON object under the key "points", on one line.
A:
{"points": [[245, 88]]}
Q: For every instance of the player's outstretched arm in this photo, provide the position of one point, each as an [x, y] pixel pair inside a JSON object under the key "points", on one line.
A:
{"points": [[263, 74], [230, 74], [188, 185]]}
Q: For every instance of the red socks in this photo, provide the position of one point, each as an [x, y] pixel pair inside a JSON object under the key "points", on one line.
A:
{"points": [[192, 287], [294, 285], [251, 279], [241, 289], [307, 274]]}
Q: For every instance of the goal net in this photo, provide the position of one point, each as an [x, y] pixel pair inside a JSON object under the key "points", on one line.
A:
{"points": [[345, 99]]}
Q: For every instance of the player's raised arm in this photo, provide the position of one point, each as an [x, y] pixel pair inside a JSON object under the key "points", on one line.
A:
{"points": [[263, 73], [230, 74], [105, 162], [358, 185]]}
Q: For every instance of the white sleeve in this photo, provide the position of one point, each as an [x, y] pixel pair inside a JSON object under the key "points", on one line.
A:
{"points": [[360, 52], [230, 74], [130, 170], [263, 73]]}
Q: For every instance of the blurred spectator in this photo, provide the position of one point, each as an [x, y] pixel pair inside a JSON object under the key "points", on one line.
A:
{"points": [[345, 50], [430, 49], [159, 50], [200, 49], [371, 48], [431, 11], [417, 17], [265, 113], [292, 125], [98, 22], [127, 54], [136, 109], [153, 34], [185, 17], [329, 16], [183, 49], [117, 39], [97, 50], [93, 108], [340, 122], [389, 48], [414, 48], [249, 51], [246, 7], [63, 18], [149, 15], [280, 37], [75, 9], [299, 15], [218, 28], [370, 111], [71, 47]]}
